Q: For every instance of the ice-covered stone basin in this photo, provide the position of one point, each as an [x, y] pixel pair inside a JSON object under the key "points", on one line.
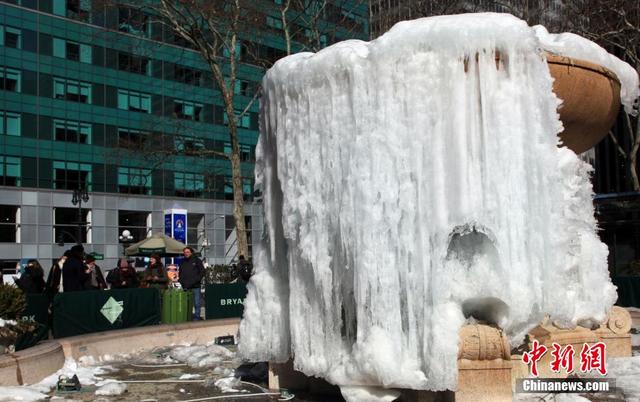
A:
{"points": [[407, 180]]}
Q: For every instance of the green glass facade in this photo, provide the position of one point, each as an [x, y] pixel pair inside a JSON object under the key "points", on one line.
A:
{"points": [[93, 98], [88, 97]]}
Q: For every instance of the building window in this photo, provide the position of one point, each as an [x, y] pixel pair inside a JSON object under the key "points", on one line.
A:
{"points": [[187, 110], [134, 101], [10, 123], [247, 152], [134, 180], [76, 9], [9, 224], [70, 50], [133, 64], [9, 171], [243, 88], [66, 223], [10, 79], [244, 121], [188, 143], [72, 131], [274, 22], [187, 75], [195, 230], [71, 175], [131, 139], [230, 231], [72, 90], [10, 37], [247, 188], [188, 184], [132, 21], [136, 222]]}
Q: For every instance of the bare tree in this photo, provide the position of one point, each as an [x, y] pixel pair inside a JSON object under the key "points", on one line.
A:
{"points": [[222, 33], [615, 25], [228, 34]]}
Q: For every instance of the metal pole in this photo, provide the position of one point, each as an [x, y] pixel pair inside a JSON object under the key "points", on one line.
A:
{"points": [[79, 217]]}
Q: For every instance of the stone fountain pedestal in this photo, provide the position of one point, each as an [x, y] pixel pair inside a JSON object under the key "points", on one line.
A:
{"points": [[487, 370]]}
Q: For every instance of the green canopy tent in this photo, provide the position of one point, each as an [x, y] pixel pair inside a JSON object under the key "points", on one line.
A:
{"points": [[159, 243]]}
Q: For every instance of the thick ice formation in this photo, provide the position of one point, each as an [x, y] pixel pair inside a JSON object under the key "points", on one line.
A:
{"points": [[408, 181], [575, 46]]}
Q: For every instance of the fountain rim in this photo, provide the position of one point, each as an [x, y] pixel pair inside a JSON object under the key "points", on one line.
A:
{"points": [[560, 60]]}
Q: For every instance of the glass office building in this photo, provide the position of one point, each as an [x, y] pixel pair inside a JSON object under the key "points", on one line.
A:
{"points": [[93, 99]]}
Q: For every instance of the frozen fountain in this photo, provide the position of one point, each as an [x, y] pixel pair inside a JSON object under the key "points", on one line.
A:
{"points": [[414, 186]]}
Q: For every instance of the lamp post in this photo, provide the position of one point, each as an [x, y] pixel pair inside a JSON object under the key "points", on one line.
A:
{"points": [[206, 244], [80, 195], [125, 239]]}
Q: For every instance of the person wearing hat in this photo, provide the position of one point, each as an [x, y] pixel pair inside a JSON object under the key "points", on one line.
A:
{"points": [[154, 275], [74, 272], [54, 279], [124, 276], [96, 279]]}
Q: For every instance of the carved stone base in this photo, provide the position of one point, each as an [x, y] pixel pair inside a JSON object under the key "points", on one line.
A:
{"points": [[614, 332], [547, 334], [484, 381]]}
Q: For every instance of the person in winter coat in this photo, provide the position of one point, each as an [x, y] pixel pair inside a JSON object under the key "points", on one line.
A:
{"points": [[245, 268], [55, 276], [154, 274], [124, 276], [96, 279], [74, 272], [191, 274], [32, 279]]}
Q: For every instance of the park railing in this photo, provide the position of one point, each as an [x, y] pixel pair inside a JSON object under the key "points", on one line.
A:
{"points": [[77, 313]]}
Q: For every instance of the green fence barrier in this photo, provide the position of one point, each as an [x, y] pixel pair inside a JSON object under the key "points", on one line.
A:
{"points": [[76, 313], [225, 300], [37, 308]]}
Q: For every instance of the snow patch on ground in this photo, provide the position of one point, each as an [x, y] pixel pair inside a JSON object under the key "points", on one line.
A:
{"points": [[229, 384], [27, 394], [190, 376], [112, 388], [367, 394], [7, 322], [626, 372]]}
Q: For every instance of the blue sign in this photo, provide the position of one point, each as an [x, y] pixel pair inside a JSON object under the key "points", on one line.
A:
{"points": [[167, 224], [180, 227]]}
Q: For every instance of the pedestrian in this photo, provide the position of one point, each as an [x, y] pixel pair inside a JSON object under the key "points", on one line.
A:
{"points": [[96, 279], [54, 279], [124, 276], [245, 268], [74, 272], [191, 274], [32, 279], [154, 275]]}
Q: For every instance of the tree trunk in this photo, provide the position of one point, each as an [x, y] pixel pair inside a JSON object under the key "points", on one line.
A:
{"points": [[238, 206], [236, 174]]}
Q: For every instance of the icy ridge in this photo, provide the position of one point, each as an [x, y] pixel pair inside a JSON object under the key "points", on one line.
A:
{"points": [[403, 177]]}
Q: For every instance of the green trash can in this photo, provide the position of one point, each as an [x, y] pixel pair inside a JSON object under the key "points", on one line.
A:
{"points": [[176, 306]]}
